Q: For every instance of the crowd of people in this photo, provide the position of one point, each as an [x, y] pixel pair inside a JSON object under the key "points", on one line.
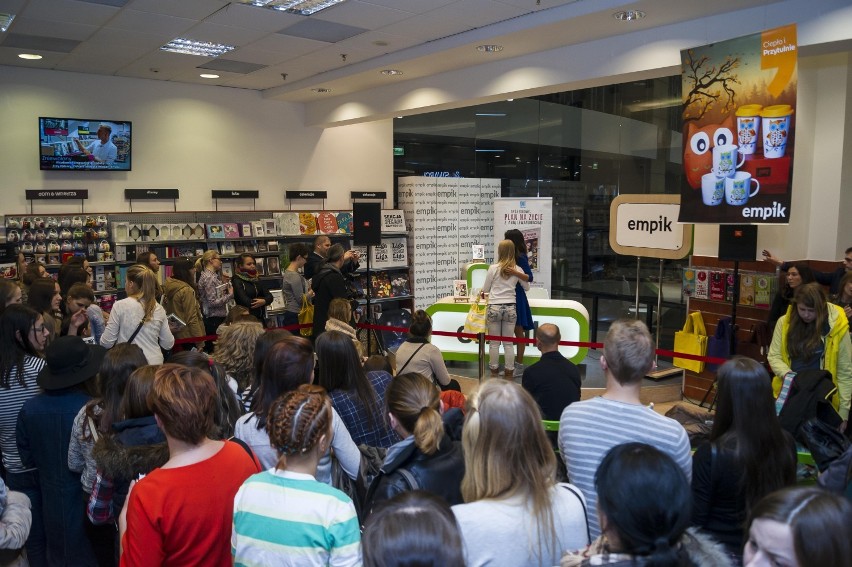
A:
{"points": [[120, 448]]}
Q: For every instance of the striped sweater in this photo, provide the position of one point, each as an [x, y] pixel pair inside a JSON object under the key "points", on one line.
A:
{"points": [[288, 518], [589, 429], [11, 401]]}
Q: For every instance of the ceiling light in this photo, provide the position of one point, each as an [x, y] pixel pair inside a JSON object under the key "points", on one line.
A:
{"points": [[321, 90], [192, 47], [301, 7], [5, 21], [392, 72], [629, 15], [489, 48], [208, 76], [30, 56], [509, 99]]}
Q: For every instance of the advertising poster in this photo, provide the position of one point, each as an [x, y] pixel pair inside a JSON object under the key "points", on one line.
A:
{"points": [[739, 116], [534, 218]]}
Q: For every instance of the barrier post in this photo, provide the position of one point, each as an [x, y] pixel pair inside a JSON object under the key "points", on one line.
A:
{"points": [[480, 337]]}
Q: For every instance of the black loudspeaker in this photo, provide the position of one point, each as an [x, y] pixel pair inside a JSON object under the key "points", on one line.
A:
{"points": [[738, 242], [367, 223]]}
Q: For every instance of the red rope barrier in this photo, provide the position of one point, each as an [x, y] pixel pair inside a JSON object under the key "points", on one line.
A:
{"points": [[581, 344]]}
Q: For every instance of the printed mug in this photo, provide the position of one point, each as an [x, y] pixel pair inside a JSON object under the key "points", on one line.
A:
{"points": [[712, 189], [738, 188], [725, 160]]}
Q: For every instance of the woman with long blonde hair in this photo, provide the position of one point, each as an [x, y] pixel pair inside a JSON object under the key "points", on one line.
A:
{"points": [[138, 318], [514, 513], [500, 282]]}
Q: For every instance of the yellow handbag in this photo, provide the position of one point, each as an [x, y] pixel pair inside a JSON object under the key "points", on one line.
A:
{"points": [[691, 340], [306, 316], [475, 321]]}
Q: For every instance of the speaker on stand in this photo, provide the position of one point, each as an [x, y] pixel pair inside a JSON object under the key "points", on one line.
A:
{"points": [[367, 231]]}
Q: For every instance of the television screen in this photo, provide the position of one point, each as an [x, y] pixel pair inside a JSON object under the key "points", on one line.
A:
{"points": [[84, 145]]}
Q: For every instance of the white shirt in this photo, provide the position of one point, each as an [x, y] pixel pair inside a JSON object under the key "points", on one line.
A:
{"points": [[123, 321]]}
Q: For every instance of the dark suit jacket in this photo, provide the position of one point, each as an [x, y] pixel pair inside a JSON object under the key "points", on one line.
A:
{"points": [[554, 383], [327, 284], [313, 265]]}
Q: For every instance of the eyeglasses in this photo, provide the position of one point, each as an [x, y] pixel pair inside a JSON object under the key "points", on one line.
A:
{"points": [[41, 329]]}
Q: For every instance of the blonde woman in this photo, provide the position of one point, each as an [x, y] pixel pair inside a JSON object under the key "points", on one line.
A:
{"points": [[235, 352], [514, 511], [500, 282], [339, 315], [214, 291], [138, 318]]}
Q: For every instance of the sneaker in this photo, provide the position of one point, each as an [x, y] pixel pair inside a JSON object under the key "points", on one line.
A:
{"points": [[519, 369]]}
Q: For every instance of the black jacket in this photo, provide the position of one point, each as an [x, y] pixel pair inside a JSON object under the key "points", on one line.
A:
{"points": [[554, 383], [327, 284], [439, 473], [245, 291]]}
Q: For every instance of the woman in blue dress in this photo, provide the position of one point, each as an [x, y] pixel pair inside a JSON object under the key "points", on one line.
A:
{"points": [[522, 305]]}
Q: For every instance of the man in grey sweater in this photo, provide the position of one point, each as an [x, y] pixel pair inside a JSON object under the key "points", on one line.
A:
{"points": [[589, 429]]}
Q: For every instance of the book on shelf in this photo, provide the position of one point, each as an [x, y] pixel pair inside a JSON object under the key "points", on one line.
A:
{"points": [[260, 264], [215, 231], [239, 247], [460, 288], [262, 246], [231, 230], [380, 286], [228, 269], [273, 266], [278, 301], [272, 245], [228, 247], [400, 286]]}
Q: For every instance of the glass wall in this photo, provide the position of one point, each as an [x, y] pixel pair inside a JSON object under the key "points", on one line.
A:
{"points": [[582, 148]]}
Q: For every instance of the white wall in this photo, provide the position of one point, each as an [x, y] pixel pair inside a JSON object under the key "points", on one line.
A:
{"points": [[193, 138]]}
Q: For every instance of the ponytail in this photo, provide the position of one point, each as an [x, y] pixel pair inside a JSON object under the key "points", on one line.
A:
{"points": [[146, 282], [414, 401]]}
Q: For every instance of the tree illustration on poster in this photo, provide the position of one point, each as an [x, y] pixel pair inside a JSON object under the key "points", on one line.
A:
{"points": [[738, 123]]}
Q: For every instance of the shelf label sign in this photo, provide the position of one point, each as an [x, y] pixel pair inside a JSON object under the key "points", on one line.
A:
{"points": [[368, 194], [646, 225], [235, 194], [293, 195], [130, 194], [53, 194]]}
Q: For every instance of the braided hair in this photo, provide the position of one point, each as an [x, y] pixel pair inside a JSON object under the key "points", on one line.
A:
{"points": [[297, 420]]}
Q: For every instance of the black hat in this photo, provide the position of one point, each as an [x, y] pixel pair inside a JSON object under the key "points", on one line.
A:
{"points": [[70, 361]]}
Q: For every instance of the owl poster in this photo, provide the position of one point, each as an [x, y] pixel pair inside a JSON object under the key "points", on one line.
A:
{"points": [[738, 124]]}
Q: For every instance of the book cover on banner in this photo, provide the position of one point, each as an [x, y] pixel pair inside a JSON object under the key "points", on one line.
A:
{"points": [[717, 286], [327, 223], [702, 284], [747, 289], [381, 256], [400, 285], [393, 220], [688, 283], [763, 290]]}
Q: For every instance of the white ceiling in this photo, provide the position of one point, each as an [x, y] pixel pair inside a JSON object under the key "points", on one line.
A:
{"points": [[419, 37]]}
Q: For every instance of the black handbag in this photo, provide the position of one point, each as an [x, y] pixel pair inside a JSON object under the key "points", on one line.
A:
{"points": [[823, 441]]}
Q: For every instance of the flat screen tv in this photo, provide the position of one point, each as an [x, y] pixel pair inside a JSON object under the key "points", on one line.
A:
{"points": [[75, 144]]}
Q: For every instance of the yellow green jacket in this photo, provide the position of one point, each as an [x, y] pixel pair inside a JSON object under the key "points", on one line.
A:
{"points": [[837, 356]]}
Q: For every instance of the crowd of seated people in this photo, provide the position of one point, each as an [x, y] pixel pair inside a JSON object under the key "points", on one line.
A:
{"points": [[113, 456]]}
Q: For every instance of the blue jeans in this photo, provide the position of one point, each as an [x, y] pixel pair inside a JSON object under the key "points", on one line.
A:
{"points": [[500, 320], [27, 482]]}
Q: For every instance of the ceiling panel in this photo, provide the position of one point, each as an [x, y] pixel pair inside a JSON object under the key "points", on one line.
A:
{"points": [[287, 46], [69, 11], [363, 15], [245, 16], [161, 24], [228, 35], [193, 9], [53, 28]]}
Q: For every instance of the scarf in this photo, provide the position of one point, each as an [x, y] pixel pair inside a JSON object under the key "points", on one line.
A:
{"points": [[247, 275]]}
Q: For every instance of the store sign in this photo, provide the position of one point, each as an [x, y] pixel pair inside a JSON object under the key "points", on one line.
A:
{"points": [[368, 194], [306, 195], [54, 194], [570, 316], [151, 194], [646, 226], [235, 194]]}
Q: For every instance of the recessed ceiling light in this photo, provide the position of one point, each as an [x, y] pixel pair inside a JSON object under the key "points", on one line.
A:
{"points": [[201, 48], [208, 76], [5, 21], [31, 56], [392, 72], [302, 7], [509, 99], [321, 90], [489, 48], [629, 15]]}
